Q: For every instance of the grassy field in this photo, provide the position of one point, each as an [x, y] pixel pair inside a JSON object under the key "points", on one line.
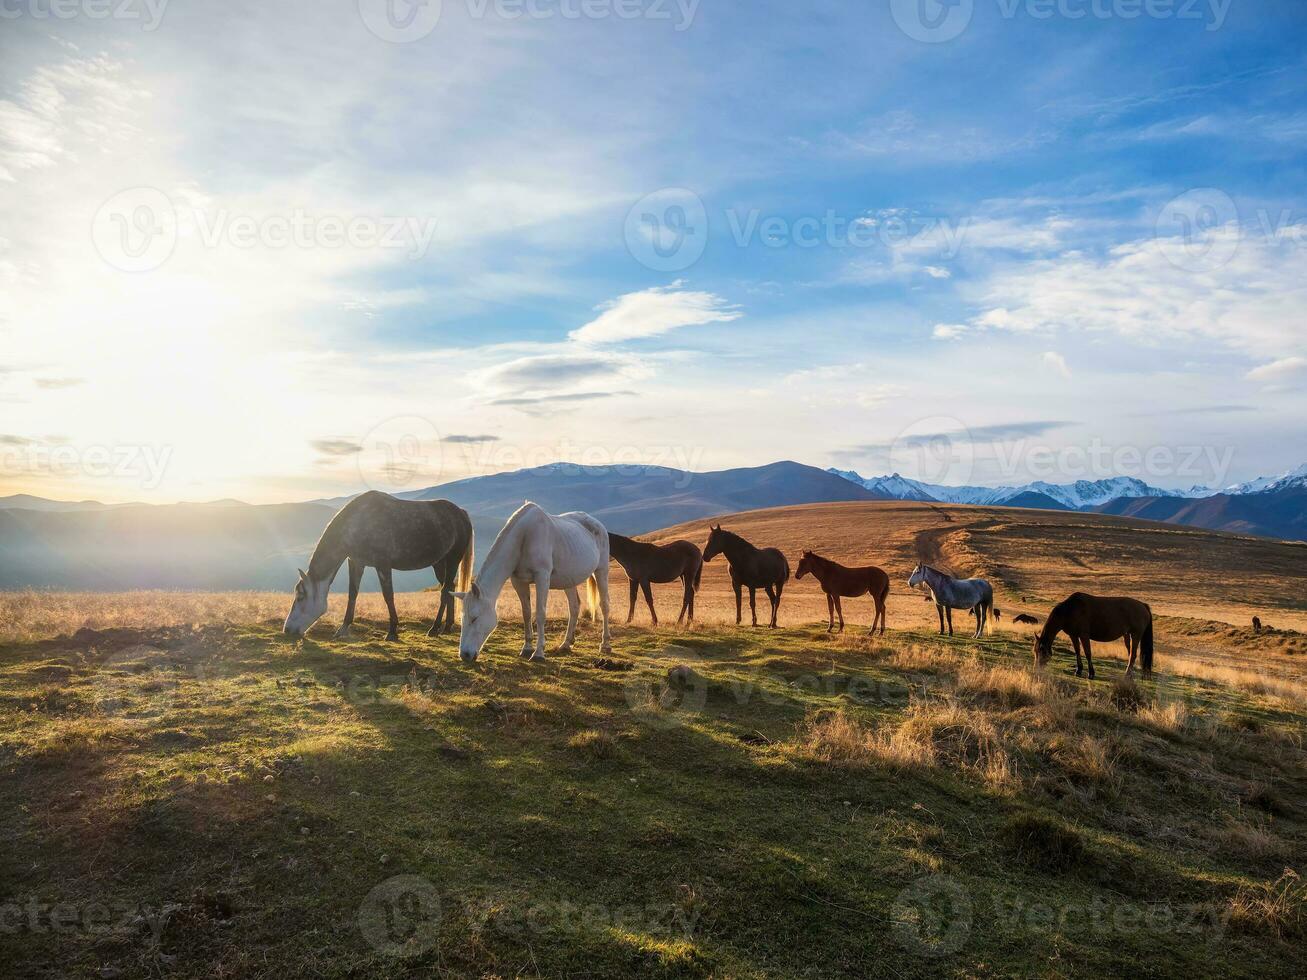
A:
{"points": [[183, 792], [215, 801]]}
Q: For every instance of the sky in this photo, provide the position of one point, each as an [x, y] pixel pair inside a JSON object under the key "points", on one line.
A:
{"points": [[278, 251]]}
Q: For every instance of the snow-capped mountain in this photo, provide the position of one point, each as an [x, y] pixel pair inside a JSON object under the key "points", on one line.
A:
{"points": [[1074, 496]]}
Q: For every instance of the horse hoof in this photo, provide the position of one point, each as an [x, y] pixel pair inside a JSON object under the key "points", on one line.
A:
{"points": [[342, 634], [527, 653], [606, 649], [536, 658], [392, 637], [566, 648]]}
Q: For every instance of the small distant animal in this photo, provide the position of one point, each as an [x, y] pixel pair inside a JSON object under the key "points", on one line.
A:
{"points": [[645, 563], [1257, 624], [1026, 618], [1085, 618], [387, 533], [956, 593], [751, 568], [838, 580]]}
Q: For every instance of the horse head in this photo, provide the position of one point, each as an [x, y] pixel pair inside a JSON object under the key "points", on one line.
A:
{"points": [[918, 576], [805, 565], [479, 620], [716, 538], [1043, 649], [308, 606]]}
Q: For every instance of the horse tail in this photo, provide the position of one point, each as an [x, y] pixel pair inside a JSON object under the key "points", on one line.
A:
{"points": [[465, 563], [1146, 647], [592, 596]]}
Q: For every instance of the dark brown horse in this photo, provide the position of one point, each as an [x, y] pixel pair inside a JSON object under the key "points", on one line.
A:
{"points": [[387, 533], [751, 568], [645, 563], [1086, 618], [839, 580]]}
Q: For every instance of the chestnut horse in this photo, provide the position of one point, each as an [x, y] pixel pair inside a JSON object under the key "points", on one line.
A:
{"points": [[1084, 617], [645, 563], [752, 568], [839, 580]]}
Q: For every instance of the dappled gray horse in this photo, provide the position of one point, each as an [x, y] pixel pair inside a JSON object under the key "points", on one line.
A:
{"points": [[956, 593]]}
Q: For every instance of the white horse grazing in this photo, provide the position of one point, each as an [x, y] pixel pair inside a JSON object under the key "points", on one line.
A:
{"points": [[549, 551], [957, 593]]}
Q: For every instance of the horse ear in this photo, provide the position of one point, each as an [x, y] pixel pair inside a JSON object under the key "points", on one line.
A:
{"points": [[460, 596], [476, 591], [303, 576]]}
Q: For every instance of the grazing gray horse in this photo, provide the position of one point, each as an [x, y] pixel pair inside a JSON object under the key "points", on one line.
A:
{"points": [[956, 593]]}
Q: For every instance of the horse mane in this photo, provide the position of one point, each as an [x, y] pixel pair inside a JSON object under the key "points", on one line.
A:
{"points": [[514, 519]]}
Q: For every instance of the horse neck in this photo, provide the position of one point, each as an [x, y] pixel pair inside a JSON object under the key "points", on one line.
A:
{"points": [[735, 547], [821, 567], [328, 555], [623, 548], [939, 583], [1052, 626], [501, 559]]}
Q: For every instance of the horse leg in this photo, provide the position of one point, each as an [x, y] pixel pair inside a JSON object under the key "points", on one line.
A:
{"points": [[1131, 648], [635, 588], [388, 591], [830, 612], [601, 580], [687, 590], [541, 611], [839, 610], [1075, 645], [437, 627], [573, 613], [980, 621], [523, 590], [648, 599], [355, 577], [1089, 657], [948, 611], [772, 600], [739, 599], [940, 609], [753, 604]]}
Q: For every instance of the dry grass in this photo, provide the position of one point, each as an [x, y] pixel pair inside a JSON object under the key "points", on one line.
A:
{"points": [[836, 738], [1004, 687], [594, 744], [1086, 758], [1277, 908], [1251, 839], [1169, 716], [1289, 691]]}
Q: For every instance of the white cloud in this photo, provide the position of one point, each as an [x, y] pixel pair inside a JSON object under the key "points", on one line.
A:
{"points": [[1056, 362], [1280, 373], [1155, 289], [948, 331], [652, 312]]}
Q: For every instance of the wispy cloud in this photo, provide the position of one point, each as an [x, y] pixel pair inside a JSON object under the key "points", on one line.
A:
{"points": [[652, 312], [1056, 363], [336, 447], [469, 440]]}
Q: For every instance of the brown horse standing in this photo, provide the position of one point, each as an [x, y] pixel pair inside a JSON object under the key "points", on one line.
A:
{"points": [[645, 563], [751, 568], [1085, 617], [838, 580]]}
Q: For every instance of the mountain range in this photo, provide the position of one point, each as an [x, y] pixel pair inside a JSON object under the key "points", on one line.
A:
{"points": [[227, 544]]}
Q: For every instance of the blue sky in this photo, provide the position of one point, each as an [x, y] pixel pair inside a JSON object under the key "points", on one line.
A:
{"points": [[280, 251]]}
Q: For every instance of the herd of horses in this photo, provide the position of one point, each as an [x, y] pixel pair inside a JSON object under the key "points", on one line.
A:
{"points": [[541, 552]]}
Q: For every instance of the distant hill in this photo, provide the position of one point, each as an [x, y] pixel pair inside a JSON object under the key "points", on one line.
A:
{"points": [[229, 545], [1273, 513]]}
